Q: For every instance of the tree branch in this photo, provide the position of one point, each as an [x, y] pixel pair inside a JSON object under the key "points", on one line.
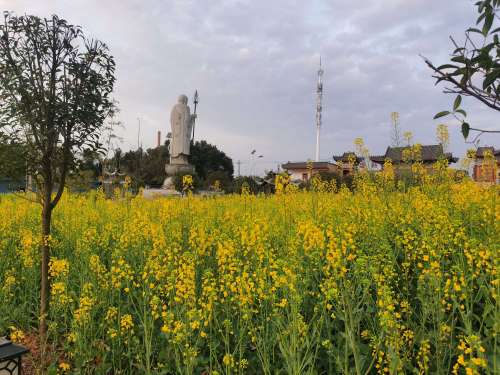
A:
{"points": [[463, 88]]}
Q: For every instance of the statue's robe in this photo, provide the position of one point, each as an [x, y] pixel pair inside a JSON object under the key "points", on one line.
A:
{"points": [[182, 128]]}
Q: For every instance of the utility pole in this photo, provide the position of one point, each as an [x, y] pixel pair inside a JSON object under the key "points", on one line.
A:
{"points": [[139, 148], [138, 132], [239, 167], [28, 180], [196, 100]]}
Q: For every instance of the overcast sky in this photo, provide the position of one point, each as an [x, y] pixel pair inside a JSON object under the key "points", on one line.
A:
{"points": [[254, 63]]}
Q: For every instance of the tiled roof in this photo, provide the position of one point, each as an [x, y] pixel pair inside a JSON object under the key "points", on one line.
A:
{"points": [[428, 153], [347, 156], [305, 165], [378, 159], [481, 150]]}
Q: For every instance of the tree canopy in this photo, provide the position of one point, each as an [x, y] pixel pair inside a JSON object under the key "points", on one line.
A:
{"points": [[147, 167], [208, 158], [54, 91], [12, 160]]}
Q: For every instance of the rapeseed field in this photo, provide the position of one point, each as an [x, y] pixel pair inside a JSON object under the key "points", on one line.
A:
{"points": [[385, 279]]}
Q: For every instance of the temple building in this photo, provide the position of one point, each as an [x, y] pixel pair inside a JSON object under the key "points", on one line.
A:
{"points": [[348, 163], [402, 157]]}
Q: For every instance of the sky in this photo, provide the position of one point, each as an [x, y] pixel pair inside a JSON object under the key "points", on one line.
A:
{"points": [[254, 64]]}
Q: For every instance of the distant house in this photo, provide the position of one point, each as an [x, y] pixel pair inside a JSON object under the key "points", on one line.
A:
{"points": [[7, 185], [348, 163], [401, 157], [4, 186], [487, 165], [303, 171]]}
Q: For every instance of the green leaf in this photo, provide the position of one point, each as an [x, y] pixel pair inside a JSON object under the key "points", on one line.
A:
{"points": [[480, 18], [462, 112], [488, 22], [447, 66], [490, 78], [457, 102], [459, 59], [465, 130], [441, 114], [474, 30]]}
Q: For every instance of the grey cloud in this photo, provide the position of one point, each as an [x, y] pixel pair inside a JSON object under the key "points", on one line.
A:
{"points": [[254, 63]]}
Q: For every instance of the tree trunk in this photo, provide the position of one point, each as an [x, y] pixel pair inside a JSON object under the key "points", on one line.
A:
{"points": [[45, 249]]}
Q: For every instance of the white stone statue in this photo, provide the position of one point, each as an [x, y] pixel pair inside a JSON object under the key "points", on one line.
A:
{"points": [[182, 122]]}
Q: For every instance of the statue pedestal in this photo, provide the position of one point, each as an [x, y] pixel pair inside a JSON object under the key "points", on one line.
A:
{"points": [[157, 193], [173, 169]]}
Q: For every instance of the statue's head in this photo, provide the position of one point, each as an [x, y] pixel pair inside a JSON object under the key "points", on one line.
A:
{"points": [[182, 99]]}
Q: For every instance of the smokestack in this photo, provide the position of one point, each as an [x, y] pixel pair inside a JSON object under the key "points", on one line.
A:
{"points": [[159, 139]]}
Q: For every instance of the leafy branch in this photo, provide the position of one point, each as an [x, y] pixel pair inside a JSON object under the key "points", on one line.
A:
{"points": [[474, 69], [460, 115]]}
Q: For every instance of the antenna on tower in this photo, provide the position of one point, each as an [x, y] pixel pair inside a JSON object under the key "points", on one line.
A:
{"points": [[319, 107]]}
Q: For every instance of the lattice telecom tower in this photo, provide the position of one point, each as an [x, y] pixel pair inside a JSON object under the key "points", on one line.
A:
{"points": [[319, 107]]}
